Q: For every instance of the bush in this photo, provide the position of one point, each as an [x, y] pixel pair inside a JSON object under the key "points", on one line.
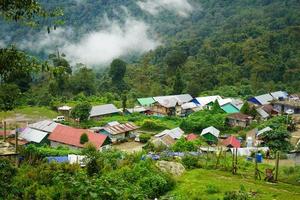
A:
{"points": [[212, 189], [7, 172], [236, 195], [190, 162], [149, 124], [144, 137], [84, 138]]}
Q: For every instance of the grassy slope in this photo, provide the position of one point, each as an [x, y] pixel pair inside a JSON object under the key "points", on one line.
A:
{"points": [[30, 112], [193, 185]]}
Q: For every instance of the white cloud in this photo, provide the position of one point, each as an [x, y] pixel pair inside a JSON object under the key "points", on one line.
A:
{"points": [[2, 44], [101, 47], [180, 7], [97, 47]]}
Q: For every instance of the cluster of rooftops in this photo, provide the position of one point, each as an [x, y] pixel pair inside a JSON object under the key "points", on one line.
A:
{"points": [[266, 105], [184, 104], [58, 134]]}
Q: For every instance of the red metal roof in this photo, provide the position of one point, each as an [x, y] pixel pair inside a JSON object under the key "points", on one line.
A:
{"points": [[71, 136], [232, 141], [191, 137]]}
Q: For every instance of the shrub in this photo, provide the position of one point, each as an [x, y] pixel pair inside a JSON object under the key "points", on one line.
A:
{"points": [[212, 189], [190, 162], [144, 137], [149, 124], [84, 138], [7, 172]]}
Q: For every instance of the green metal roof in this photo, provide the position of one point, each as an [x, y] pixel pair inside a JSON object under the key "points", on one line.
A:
{"points": [[229, 108], [146, 101]]}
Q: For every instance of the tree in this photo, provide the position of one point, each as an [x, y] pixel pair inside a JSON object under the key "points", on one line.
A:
{"points": [[9, 95], [83, 81], [117, 69], [84, 138], [81, 111], [174, 59], [277, 139], [124, 102], [178, 86], [17, 67], [247, 109], [216, 108]]}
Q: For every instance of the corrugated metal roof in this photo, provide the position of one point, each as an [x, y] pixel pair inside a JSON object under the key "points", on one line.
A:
{"points": [[189, 105], [175, 133], [280, 94], [136, 109], [203, 101], [224, 101], [229, 108], [232, 141], [264, 130], [120, 128], [71, 136], [103, 110], [33, 135], [172, 100], [264, 99], [146, 101], [212, 130], [113, 123], [45, 125], [262, 113]]}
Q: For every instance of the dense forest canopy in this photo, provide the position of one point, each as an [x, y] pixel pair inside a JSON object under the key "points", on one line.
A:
{"points": [[232, 48]]}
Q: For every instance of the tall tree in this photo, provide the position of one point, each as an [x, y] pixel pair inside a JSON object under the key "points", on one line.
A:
{"points": [[81, 111], [175, 59], [117, 72], [179, 85], [9, 95]]}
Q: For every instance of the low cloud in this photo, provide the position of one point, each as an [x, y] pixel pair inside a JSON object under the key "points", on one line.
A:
{"points": [[2, 44], [180, 7], [101, 47], [96, 47]]}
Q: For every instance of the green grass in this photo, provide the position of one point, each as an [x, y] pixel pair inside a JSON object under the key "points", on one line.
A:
{"points": [[30, 112], [212, 184]]}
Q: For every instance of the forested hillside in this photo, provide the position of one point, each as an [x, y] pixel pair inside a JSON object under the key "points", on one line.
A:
{"points": [[251, 45], [232, 48]]}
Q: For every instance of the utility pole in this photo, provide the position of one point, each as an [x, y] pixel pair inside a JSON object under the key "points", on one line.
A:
{"points": [[4, 137], [16, 138], [277, 165]]}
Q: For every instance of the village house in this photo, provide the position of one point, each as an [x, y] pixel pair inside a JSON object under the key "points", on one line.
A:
{"points": [[170, 105], [98, 112], [138, 109], [146, 102], [64, 110], [70, 137], [118, 132], [175, 133], [37, 132], [289, 106], [205, 102], [231, 142], [210, 134], [268, 98], [166, 141], [167, 137], [239, 119]]}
